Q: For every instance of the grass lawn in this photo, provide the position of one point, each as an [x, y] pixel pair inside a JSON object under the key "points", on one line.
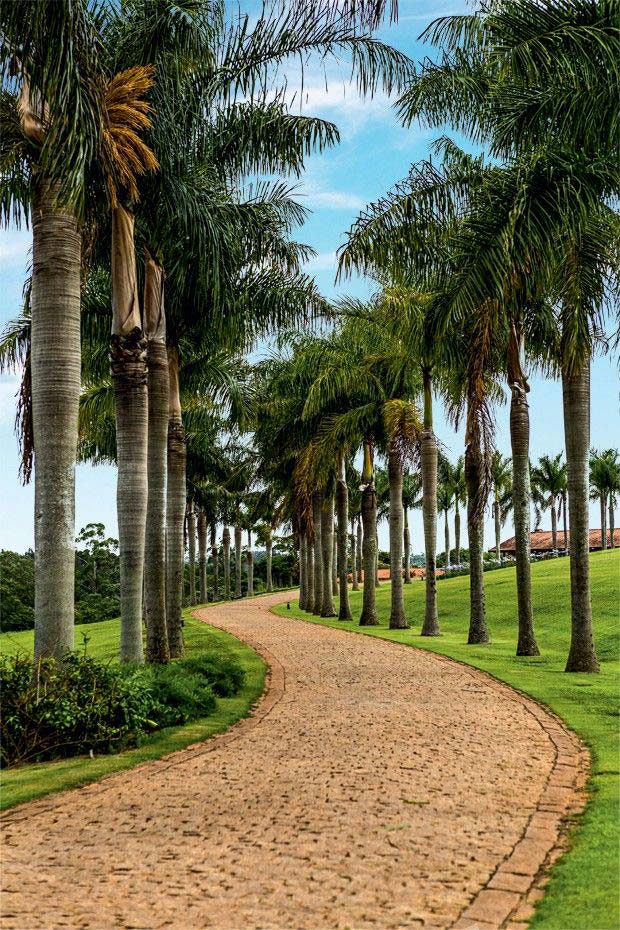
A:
{"points": [[26, 782], [583, 893]]}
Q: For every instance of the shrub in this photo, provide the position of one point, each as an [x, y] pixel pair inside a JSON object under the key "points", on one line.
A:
{"points": [[178, 695], [52, 709], [223, 673]]}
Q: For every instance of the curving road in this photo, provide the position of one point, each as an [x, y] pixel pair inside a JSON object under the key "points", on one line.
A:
{"points": [[375, 786]]}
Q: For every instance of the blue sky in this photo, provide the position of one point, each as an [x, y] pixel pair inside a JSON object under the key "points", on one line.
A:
{"points": [[374, 153]]}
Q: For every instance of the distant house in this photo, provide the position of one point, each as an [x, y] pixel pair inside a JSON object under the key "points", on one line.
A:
{"points": [[541, 542], [384, 573]]}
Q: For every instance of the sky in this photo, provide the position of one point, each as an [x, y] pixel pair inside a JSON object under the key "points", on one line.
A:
{"points": [[374, 153]]}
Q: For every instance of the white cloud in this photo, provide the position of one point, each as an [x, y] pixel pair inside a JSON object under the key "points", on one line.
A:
{"points": [[322, 261], [333, 200]]}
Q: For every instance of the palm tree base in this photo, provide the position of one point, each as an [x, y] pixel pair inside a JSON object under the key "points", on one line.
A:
{"points": [[399, 623], [582, 661], [369, 619], [528, 647]]}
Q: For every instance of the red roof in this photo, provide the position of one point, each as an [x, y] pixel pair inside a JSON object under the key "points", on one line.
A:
{"points": [[541, 541], [384, 573]]}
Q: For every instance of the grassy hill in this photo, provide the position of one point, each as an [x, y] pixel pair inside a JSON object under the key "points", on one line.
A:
{"points": [[584, 891]]}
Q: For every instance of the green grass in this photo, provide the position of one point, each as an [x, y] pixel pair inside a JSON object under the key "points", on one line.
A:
{"points": [[26, 782], [583, 893]]}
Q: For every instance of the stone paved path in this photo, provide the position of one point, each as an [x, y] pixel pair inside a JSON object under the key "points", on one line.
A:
{"points": [[378, 786]]}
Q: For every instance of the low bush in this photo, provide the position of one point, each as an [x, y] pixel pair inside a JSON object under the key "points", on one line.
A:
{"points": [[55, 709]]}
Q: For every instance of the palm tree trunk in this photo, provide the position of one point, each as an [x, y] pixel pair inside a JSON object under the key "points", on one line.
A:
{"points": [[521, 502], [576, 397], [612, 543], [342, 508], [238, 542], [129, 375], [554, 529], [250, 564], [565, 519], [603, 521], [446, 533], [191, 550], [215, 563], [498, 530], [327, 549], [398, 620], [317, 509], [407, 545], [369, 545], [478, 632], [55, 370], [429, 514], [226, 557], [457, 531], [268, 558], [303, 566], [202, 556], [175, 511], [335, 561], [158, 411], [354, 557], [360, 557], [309, 608]]}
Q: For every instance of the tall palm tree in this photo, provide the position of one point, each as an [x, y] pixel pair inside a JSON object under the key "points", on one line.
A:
{"points": [[444, 504], [460, 497], [412, 488], [603, 483]]}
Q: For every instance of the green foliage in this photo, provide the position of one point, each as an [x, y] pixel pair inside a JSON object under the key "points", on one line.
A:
{"points": [[16, 590], [55, 710]]}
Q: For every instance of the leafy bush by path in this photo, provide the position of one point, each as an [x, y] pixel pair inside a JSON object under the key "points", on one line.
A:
{"points": [[55, 710]]}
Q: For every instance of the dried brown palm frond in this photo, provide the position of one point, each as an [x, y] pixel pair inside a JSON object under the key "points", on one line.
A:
{"points": [[404, 428], [125, 117]]}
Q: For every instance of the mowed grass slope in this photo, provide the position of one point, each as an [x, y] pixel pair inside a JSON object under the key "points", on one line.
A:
{"points": [[584, 890], [27, 782]]}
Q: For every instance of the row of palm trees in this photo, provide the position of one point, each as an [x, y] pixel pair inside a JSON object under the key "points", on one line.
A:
{"points": [[130, 134], [133, 132]]}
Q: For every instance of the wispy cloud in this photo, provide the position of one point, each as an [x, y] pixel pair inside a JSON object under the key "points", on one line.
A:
{"points": [[333, 200], [322, 261]]}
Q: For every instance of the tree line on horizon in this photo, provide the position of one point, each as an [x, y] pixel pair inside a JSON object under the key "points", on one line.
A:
{"points": [[132, 142]]}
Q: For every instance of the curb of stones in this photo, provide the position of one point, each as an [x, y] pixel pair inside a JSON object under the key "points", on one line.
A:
{"points": [[508, 898], [272, 694]]}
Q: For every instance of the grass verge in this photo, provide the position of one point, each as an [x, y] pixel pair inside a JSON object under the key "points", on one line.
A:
{"points": [[583, 893], [27, 782]]}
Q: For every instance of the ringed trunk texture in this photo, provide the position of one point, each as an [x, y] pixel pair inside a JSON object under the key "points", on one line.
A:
{"points": [[215, 560], [129, 377], [238, 541], [202, 556], [554, 529], [157, 649], [250, 565], [360, 538], [369, 556], [55, 369], [317, 507], [303, 584], [603, 521], [327, 549], [175, 511], [576, 397], [354, 558], [269, 558], [457, 532], [342, 508], [521, 499], [309, 575], [478, 632], [407, 545], [226, 557], [398, 620], [430, 627], [446, 534], [191, 551], [334, 560]]}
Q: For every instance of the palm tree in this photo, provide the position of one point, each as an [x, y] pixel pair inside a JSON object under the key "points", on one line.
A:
{"points": [[549, 481], [460, 497], [62, 136], [500, 480], [604, 470], [342, 510], [444, 503], [412, 488]]}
